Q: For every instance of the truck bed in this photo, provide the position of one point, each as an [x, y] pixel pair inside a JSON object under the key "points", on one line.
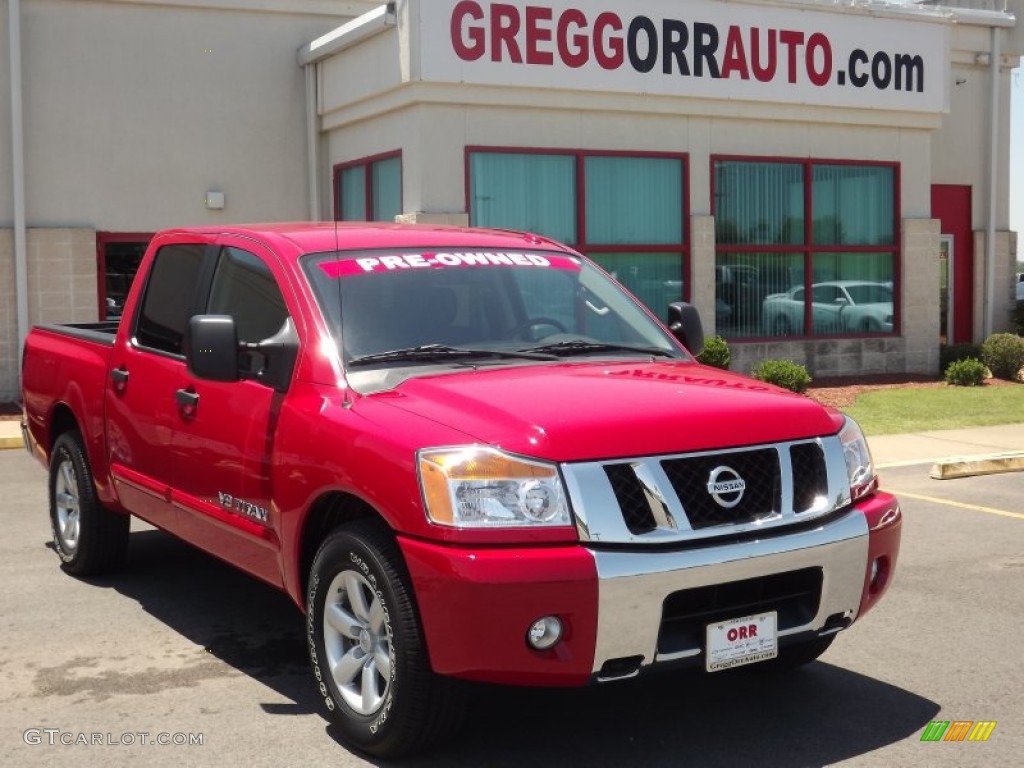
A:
{"points": [[100, 333]]}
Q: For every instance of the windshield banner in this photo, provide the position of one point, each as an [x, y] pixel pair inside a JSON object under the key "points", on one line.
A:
{"points": [[362, 265]]}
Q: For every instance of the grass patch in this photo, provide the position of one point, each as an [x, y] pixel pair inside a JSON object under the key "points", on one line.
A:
{"points": [[896, 411]]}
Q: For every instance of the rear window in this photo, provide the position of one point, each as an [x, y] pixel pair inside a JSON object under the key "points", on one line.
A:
{"points": [[170, 294]]}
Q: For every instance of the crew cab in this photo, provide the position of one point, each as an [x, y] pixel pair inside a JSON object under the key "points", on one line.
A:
{"points": [[466, 455]]}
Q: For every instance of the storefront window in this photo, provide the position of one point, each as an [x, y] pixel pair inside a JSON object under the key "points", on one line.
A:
{"points": [[759, 203], [369, 189], [627, 212], [785, 262], [530, 192], [853, 205]]}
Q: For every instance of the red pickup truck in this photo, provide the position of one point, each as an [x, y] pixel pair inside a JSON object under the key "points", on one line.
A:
{"points": [[466, 455]]}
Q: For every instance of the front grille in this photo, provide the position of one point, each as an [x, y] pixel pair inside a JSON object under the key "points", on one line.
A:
{"points": [[794, 595], [761, 497], [810, 478], [629, 492]]}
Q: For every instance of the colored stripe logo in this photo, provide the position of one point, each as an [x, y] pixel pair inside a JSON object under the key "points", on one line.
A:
{"points": [[958, 730]]}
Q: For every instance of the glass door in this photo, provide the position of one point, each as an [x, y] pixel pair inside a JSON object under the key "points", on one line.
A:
{"points": [[946, 262]]}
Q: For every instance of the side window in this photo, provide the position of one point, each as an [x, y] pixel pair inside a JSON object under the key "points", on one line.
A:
{"points": [[244, 287], [169, 294]]}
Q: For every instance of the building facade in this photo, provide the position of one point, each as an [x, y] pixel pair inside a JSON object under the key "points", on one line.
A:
{"points": [[828, 184]]}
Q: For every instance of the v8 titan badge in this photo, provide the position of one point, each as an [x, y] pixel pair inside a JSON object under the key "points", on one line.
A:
{"points": [[741, 641]]}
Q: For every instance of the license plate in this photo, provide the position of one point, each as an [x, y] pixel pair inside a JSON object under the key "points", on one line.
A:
{"points": [[741, 641]]}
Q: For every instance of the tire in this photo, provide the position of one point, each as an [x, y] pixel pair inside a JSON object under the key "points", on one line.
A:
{"points": [[367, 649], [88, 537], [800, 654]]}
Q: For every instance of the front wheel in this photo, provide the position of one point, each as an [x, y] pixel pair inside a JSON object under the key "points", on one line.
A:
{"points": [[367, 650], [88, 537]]}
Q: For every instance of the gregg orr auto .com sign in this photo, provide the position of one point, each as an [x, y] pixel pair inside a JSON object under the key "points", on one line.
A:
{"points": [[697, 48]]}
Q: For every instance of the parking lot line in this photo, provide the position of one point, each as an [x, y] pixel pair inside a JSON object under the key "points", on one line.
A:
{"points": [[957, 504]]}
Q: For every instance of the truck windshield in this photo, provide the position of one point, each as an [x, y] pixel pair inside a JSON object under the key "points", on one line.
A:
{"points": [[425, 307]]}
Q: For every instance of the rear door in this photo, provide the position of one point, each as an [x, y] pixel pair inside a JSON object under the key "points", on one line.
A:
{"points": [[147, 368], [223, 444]]}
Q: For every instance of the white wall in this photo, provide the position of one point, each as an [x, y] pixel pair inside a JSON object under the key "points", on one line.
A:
{"points": [[133, 110]]}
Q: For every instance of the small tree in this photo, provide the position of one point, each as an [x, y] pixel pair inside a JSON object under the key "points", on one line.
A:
{"points": [[783, 373], [969, 372], [716, 353], [1003, 353]]}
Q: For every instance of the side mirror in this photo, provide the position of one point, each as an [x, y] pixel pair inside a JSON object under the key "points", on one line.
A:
{"points": [[211, 350], [684, 323], [272, 361]]}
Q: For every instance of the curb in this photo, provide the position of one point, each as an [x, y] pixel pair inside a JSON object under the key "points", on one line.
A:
{"points": [[10, 435], [977, 465]]}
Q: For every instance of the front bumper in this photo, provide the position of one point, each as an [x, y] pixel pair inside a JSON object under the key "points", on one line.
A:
{"points": [[625, 609]]}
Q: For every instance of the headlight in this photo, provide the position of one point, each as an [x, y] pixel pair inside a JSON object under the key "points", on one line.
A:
{"points": [[476, 487], [860, 468]]}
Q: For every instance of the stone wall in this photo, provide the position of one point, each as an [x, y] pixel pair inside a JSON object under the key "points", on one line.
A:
{"points": [[62, 288]]}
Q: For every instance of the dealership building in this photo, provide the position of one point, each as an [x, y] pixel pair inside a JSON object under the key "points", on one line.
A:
{"points": [[828, 183]]}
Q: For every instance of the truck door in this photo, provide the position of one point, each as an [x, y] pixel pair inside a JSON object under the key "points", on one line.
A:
{"points": [[223, 443], [147, 367]]}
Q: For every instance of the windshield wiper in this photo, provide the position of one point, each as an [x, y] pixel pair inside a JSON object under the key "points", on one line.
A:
{"points": [[431, 352], [581, 346]]}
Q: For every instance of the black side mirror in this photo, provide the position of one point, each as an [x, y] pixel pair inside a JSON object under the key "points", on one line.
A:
{"points": [[684, 323], [211, 349], [213, 352], [272, 360]]}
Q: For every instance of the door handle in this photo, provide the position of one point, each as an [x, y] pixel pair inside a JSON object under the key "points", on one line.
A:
{"points": [[187, 401], [120, 378]]}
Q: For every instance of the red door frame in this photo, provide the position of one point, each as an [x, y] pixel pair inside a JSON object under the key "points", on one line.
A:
{"points": [[952, 206], [102, 240]]}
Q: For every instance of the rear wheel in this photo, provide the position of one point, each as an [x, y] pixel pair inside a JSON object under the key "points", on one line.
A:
{"points": [[367, 649], [88, 537]]}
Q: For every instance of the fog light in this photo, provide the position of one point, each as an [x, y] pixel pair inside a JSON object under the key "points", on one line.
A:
{"points": [[544, 633]]}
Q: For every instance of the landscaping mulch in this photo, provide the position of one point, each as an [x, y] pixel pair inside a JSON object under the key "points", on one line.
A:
{"points": [[843, 392]]}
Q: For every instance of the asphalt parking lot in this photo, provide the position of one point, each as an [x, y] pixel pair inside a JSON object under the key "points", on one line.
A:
{"points": [[180, 645]]}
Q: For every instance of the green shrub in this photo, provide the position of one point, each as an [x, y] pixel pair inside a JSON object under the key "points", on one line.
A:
{"points": [[1003, 353], [969, 372], [951, 353], [783, 373], [716, 353]]}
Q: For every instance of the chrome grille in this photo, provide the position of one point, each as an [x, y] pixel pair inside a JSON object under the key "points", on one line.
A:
{"points": [[659, 500], [810, 480], [761, 497], [636, 509]]}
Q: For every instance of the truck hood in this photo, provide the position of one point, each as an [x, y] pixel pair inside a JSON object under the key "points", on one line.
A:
{"points": [[590, 410]]}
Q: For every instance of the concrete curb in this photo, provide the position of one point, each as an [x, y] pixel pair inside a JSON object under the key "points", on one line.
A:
{"points": [[972, 466], [10, 435]]}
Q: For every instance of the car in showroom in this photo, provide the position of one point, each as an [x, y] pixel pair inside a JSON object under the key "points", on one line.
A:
{"points": [[839, 306]]}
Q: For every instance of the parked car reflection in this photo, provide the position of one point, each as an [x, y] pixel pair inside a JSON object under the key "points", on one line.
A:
{"points": [[841, 306]]}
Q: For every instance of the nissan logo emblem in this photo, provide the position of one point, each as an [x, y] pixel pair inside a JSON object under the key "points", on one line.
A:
{"points": [[726, 486]]}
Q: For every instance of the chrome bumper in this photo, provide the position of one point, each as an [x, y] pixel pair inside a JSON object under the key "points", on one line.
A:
{"points": [[633, 585]]}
